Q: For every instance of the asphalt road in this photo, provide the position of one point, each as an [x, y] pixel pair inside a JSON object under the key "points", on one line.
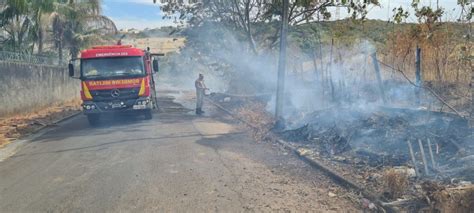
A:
{"points": [[176, 162]]}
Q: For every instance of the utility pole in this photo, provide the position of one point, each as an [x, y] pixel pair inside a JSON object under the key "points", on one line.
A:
{"points": [[418, 76], [472, 75], [282, 62], [379, 77]]}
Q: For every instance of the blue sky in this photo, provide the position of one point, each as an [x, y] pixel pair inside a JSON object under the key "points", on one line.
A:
{"points": [[137, 14], [141, 14]]}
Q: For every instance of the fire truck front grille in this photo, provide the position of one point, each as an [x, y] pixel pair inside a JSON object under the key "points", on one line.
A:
{"points": [[115, 94]]}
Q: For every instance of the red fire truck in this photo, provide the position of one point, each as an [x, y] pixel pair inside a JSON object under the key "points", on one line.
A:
{"points": [[116, 78]]}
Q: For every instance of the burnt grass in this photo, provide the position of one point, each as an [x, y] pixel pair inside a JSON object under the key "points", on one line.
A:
{"points": [[375, 138], [378, 138], [369, 146]]}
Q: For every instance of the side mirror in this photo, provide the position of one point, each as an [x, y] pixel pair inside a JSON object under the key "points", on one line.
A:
{"points": [[156, 68], [71, 70]]}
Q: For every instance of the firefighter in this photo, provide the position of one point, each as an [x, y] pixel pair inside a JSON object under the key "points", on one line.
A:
{"points": [[200, 91]]}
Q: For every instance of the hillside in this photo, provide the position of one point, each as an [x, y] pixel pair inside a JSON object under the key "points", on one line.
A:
{"points": [[376, 31]]}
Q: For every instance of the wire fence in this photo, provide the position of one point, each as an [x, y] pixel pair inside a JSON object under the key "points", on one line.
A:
{"points": [[31, 58]]}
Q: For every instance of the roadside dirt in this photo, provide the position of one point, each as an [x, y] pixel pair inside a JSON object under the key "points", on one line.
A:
{"points": [[286, 183], [18, 126], [286, 189]]}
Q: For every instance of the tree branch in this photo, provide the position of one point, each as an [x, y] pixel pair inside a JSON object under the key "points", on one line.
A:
{"points": [[423, 87]]}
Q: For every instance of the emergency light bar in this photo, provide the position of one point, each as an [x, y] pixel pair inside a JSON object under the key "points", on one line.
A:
{"points": [[113, 47]]}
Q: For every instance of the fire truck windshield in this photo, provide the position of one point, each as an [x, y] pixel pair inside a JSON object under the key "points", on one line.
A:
{"points": [[99, 68]]}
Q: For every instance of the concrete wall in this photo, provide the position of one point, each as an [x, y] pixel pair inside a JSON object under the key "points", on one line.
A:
{"points": [[27, 87]]}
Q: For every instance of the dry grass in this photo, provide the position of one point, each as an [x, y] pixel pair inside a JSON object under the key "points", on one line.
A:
{"points": [[161, 45], [444, 58], [17, 126], [458, 200], [395, 183], [3, 142], [445, 64], [260, 120]]}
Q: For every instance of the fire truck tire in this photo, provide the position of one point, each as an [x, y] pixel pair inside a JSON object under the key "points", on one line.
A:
{"points": [[148, 115], [94, 120]]}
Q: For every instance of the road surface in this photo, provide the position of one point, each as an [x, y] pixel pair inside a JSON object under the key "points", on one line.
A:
{"points": [[176, 162]]}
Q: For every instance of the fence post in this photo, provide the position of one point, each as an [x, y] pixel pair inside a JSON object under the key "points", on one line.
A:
{"points": [[418, 74], [379, 77]]}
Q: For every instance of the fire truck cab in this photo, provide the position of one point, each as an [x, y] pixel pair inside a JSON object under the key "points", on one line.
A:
{"points": [[118, 78]]}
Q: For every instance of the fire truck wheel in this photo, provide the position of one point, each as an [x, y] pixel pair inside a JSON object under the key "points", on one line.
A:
{"points": [[148, 115], [93, 119]]}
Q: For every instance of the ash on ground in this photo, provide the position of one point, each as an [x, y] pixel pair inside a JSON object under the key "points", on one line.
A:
{"points": [[381, 138]]}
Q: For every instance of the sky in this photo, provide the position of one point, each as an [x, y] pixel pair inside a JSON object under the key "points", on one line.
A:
{"points": [[384, 12], [138, 14], [141, 14]]}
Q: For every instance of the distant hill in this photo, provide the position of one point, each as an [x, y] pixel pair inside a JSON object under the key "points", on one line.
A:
{"points": [[162, 32], [376, 31]]}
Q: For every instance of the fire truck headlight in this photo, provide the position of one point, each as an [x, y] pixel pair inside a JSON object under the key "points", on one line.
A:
{"points": [[93, 107], [142, 102], [88, 107]]}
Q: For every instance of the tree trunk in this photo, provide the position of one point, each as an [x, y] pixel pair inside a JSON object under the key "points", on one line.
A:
{"points": [[329, 71], [252, 44], [60, 51], [74, 51], [315, 63], [40, 32], [439, 74], [40, 40]]}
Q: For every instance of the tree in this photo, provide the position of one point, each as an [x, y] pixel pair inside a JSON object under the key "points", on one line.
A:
{"points": [[466, 17], [244, 15], [17, 24], [40, 9], [23, 22], [73, 24], [77, 24]]}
